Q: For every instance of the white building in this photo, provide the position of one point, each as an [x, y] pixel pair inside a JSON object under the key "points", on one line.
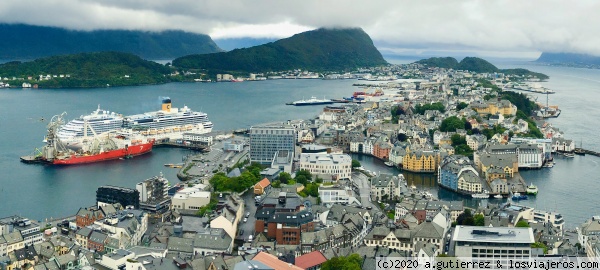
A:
{"points": [[337, 165], [235, 146], [385, 185], [492, 242], [191, 198], [336, 194], [588, 234], [198, 138]]}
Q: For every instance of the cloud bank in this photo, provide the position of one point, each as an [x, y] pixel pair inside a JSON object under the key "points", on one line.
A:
{"points": [[499, 25]]}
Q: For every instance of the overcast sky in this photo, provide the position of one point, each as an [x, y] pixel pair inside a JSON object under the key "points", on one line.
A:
{"points": [[503, 27]]}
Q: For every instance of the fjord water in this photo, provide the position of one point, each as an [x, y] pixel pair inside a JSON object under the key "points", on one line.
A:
{"points": [[41, 192]]}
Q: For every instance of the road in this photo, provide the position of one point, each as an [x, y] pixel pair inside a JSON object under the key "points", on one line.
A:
{"points": [[361, 182], [248, 227]]}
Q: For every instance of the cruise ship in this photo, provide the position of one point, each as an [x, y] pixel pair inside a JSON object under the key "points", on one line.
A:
{"points": [[166, 120]]}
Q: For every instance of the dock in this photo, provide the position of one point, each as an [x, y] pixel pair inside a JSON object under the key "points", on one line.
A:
{"points": [[581, 151]]}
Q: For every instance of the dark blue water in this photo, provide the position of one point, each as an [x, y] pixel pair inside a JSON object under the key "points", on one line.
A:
{"points": [[43, 191]]}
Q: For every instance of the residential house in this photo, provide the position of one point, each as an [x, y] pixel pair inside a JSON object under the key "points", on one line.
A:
{"points": [[262, 187], [386, 186], [421, 161]]}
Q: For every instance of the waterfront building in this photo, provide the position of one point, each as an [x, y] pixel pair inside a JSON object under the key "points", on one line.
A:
{"points": [[198, 139], [234, 146], [492, 243], [421, 161], [266, 140], [528, 155], [154, 194], [562, 145], [397, 155], [493, 107], [386, 186], [124, 196], [382, 148], [496, 166], [452, 168], [328, 166], [546, 217], [337, 194], [469, 181], [190, 198], [544, 144]]}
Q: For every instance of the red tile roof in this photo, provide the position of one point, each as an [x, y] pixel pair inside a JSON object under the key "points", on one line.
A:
{"points": [[274, 262], [264, 183], [310, 259]]}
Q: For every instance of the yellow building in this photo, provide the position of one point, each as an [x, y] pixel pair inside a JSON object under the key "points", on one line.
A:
{"points": [[503, 107], [421, 161], [497, 166], [469, 181]]}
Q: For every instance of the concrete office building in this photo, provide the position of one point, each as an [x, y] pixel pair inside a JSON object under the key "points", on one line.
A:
{"points": [[492, 243], [266, 140]]}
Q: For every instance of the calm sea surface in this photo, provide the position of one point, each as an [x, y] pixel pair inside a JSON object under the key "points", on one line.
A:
{"points": [[40, 192]]}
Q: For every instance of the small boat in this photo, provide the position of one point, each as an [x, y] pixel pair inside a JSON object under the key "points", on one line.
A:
{"points": [[569, 155], [389, 163], [532, 189], [483, 195], [549, 164], [498, 196], [517, 196]]}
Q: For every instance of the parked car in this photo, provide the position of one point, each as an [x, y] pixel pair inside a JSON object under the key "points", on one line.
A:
{"points": [[245, 220]]}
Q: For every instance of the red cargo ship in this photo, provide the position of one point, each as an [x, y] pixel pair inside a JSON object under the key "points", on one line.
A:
{"points": [[126, 152]]}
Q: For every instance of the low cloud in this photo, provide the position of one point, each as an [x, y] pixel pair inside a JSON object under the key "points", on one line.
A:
{"points": [[503, 25]]}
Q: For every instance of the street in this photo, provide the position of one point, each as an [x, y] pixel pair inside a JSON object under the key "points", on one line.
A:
{"points": [[361, 181]]}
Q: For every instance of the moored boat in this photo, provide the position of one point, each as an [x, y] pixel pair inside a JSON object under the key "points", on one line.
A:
{"points": [[483, 195], [517, 196], [532, 189], [126, 152], [498, 196]]}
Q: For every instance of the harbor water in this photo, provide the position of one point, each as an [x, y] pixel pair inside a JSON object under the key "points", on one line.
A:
{"points": [[40, 192]]}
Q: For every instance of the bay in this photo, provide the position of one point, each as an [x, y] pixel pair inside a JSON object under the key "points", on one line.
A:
{"points": [[42, 192]]}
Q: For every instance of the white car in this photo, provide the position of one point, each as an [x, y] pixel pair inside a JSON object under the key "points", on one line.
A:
{"points": [[245, 220]]}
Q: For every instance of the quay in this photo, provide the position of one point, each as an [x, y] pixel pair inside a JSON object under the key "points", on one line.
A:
{"points": [[581, 151]]}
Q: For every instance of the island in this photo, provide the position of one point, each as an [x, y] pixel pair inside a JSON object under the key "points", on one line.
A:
{"points": [[476, 64]]}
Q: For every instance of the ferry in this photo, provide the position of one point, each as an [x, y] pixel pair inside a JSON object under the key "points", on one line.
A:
{"points": [[311, 101], [532, 189]]}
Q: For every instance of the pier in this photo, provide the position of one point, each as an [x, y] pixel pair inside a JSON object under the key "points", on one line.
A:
{"points": [[581, 151]]}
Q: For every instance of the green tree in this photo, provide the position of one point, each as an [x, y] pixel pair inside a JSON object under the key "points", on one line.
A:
{"points": [[301, 179], [479, 220], [355, 163], [305, 173], [351, 262], [461, 106], [276, 184], [457, 139], [451, 124], [540, 245], [522, 224], [284, 177]]}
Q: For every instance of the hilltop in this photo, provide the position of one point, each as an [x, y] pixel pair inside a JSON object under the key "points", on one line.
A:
{"points": [[97, 69], [475, 64], [317, 50], [20, 41]]}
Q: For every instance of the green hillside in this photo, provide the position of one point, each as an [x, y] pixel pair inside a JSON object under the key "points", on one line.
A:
{"points": [[317, 50], [475, 64], [88, 70]]}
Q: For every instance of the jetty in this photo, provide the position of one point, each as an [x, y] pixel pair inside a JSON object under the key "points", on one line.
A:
{"points": [[581, 151]]}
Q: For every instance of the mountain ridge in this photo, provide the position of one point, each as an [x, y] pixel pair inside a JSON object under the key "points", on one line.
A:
{"points": [[21, 41], [476, 64], [317, 50]]}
